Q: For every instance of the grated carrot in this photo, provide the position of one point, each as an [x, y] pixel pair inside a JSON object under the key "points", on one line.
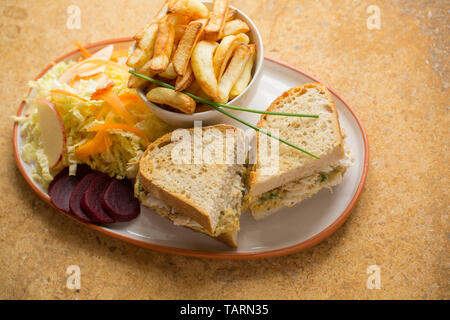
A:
{"points": [[120, 126], [67, 93], [102, 112], [101, 62], [100, 143], [83, 50], [114, 101], [133, 101], [128, 97], [119, 54]]}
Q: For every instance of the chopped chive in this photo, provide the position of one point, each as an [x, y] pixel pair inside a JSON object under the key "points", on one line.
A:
{"points": [[166, 85], [219, 106]]}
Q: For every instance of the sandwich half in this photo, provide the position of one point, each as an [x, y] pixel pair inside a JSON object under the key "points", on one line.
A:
{"points": [[299, 175], [206, 195]]}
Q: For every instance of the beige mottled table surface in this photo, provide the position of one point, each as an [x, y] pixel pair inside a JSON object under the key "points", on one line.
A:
{"points": [[396, 78]]}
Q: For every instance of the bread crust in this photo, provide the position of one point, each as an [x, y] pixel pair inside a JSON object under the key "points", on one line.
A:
{"points": [[177, 202], [254, 174], [228, 238]]}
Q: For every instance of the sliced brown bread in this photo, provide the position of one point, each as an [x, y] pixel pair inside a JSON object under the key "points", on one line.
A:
{"points": [[321, 136], [209, 195], [228, 238]]}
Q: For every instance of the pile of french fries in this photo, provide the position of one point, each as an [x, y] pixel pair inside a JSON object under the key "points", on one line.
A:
{"points": [[205, 53]]}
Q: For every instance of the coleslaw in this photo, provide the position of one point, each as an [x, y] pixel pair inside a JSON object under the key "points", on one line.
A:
{"points": [[125, 120]]}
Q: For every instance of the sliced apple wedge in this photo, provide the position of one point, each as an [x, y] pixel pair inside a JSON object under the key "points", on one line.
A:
{"points": [[53, 135], [103, 54], [88, 69]]}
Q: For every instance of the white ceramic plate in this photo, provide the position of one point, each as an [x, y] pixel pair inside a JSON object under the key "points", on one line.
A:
{"points": [[289, 230]]}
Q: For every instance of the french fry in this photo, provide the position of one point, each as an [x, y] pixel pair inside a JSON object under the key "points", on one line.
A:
{"points": [[136, 82], [144, 49], [217, 20], [148, 40], [194, 87], [191, 8], [172, 98], [231, 14], [202, 107], [225, 51], [234, 27], [246, 75], [204, 21], [186, 46], [179, 45], [163, 47], [177, 19], [137, 59], [169, 73], [179, 32], [202, 65], [159, 15], [185, 80], [243, 38], [203, 95], [233, 72]]}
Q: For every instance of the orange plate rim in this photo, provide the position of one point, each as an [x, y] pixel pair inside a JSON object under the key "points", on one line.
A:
{"points": [[206, 254]]}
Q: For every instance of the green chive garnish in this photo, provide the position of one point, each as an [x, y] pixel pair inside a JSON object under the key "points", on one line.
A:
{"points": [[218, 106]]}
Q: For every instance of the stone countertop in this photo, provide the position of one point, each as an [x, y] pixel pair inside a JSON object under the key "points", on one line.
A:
{"points": [[396, 78]]}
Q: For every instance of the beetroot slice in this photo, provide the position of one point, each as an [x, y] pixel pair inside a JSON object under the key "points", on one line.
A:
{"points": [[91, 202], [61, 174], [62, 186], [82, 170], [61, 191], [119, 201], [77, 194]]}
